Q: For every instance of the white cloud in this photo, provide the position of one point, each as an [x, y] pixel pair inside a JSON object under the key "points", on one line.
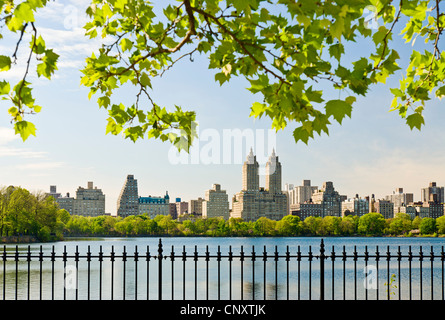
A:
{"points": [[7, 135], [42, 166], [21, 153]]}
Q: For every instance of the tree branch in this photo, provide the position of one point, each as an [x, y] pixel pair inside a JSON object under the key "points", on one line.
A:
{"points": [[241, 44]]}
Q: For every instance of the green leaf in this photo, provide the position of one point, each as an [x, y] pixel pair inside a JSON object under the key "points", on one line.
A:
{"points": [[145, 80], [440, 92], [25, 129], [258, 109], [221, 77], [39, 45], [4, 87], [336, 50], [302, 134], [339, 108], [24, 12], [337, 28], [126, 44], [415, 120], [5, 63]]}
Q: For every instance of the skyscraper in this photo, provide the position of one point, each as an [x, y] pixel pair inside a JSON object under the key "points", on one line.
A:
{"points": [[329, 198], [253, 202], [128, 203], [216, 203], [273, 174], [89, 201], [251, 179], [433, 193], [154, 206]]}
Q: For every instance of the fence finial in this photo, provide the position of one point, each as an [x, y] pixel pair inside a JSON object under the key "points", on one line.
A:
{"points": [[160, 250]]}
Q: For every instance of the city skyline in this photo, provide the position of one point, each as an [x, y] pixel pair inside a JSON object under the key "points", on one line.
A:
{"points": [[251, 183], [373, 152]]}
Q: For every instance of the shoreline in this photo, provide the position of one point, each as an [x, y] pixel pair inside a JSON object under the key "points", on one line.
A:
{"points": [[32, 239]]}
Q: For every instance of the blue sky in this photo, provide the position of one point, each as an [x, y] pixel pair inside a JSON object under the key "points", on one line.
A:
{"points": [[374, 152]]}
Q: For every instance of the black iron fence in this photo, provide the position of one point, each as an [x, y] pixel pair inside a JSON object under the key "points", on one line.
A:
{"points": [[244, 274]]}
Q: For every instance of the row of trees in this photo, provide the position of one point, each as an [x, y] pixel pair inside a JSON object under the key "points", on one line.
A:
{"points": [[23, 213], [371, 224]]}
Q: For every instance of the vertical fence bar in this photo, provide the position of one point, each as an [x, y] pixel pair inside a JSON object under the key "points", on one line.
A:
{"points": [[298, 271], [355, 272], [242, 272], [322, 256], [16, 259], [89, 266], [28, 259], [76, 258], [195, 259], [230, 272], [366, 268], [4, 272], [410, 258], [421, 275], [136, 259], [287, 272], [253, 272], [276, 272], [344, 272], [432, 273], [333, 272], [160, 256], [388, 258], [40, 277], [399, 259], [100, 271], [264, 272], [64, 257], [207, 258], [310, 272], [184, 258], [219, 272], [53, 259]]}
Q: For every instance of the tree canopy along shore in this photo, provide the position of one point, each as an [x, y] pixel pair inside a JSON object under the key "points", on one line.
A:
{"points": [[289, 51]]}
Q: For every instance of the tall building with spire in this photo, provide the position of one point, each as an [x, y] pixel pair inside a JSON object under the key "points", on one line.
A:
{"points": [[251, 179], [273, 174], [253, 202]]}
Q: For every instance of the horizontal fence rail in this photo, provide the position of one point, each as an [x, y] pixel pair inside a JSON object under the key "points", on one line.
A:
{"points": [[248, 273]]}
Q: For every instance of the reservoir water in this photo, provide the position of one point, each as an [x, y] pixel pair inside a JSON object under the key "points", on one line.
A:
{"points": [[126, 277]]}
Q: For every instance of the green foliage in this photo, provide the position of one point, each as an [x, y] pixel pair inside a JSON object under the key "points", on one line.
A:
{"points": [[427, 226], [371, 224], [288, 51], [24, 213], [401, 224], [391, 286]]}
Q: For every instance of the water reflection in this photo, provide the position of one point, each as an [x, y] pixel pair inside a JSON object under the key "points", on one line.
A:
{"points": [[259, 279]]}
